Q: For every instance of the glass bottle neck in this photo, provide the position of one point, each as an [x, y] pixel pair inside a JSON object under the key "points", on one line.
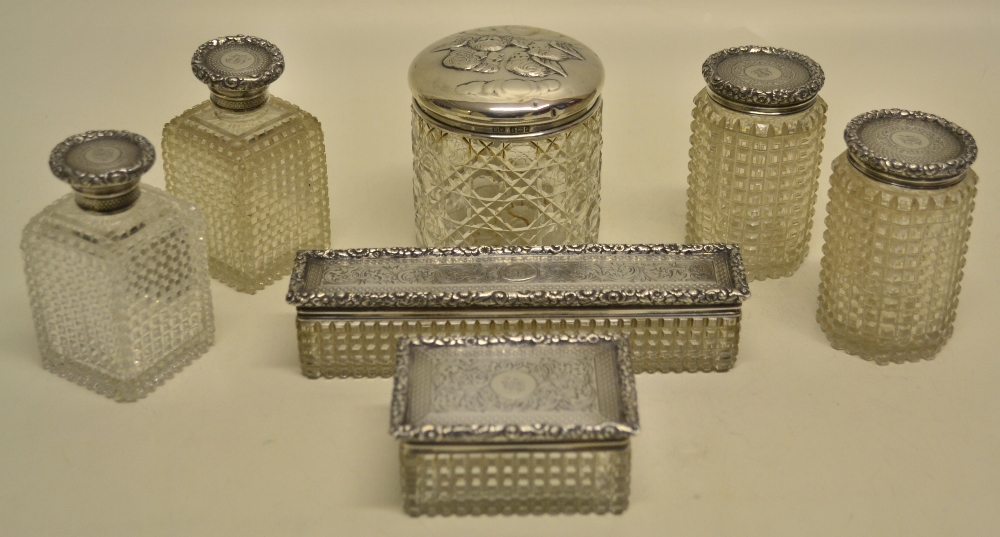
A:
{"points": [[108, 201], [239, 101]]}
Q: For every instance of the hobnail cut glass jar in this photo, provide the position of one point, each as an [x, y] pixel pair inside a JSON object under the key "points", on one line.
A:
{"points": [[255, 165], [901, 201], [756, 141], [506, 139], [117, 273]]}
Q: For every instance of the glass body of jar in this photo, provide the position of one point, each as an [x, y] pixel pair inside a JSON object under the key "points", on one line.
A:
{"points": [[259, 177], [474, 190], [121, 301], [753, 181], [892, 264]]}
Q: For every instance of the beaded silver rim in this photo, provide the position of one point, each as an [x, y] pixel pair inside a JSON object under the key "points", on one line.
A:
{"points": [[878, 163], [742, 95]]}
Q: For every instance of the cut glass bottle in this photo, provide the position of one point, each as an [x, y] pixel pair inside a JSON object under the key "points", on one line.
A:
{"points": [[901, 200], [254, 164], [756, 140], [117, 273]]}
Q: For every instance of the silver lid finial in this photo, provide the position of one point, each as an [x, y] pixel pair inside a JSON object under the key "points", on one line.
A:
{"points": [[103, 167]]}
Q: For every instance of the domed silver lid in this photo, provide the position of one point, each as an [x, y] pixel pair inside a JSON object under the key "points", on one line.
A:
{"points": [[764, 80], [912, 149], [103, 167], [238, 70], [506, 80]]}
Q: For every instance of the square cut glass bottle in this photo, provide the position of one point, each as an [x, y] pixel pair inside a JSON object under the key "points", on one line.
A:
{"points": [[255, 165], [119, 295]]}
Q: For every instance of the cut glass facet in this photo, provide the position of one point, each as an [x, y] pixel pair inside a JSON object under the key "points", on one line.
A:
{"points": [[753, 182], [892, 265], [471, 191], [260, 179], [120, 301]]}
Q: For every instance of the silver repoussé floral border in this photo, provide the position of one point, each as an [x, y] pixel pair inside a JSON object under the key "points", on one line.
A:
{"points": [[299, 295]]}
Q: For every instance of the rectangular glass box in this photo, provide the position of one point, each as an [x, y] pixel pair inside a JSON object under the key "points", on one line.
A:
{"points": [[518, 425], [679, 305]]}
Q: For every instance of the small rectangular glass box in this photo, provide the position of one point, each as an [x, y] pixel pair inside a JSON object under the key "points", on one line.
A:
{"points": [[516, 425], [679, 305]]}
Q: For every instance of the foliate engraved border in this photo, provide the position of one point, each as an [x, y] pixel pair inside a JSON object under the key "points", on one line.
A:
{"points": [[861, 153], [512, 432], [301, 296], [752, 96]]}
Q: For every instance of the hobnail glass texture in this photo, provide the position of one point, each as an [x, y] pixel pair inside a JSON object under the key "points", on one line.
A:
{"points": [[364, 348], [892, 265], [490, 480], [753, 181], [474, 191], [121, 302], [259, 178]]}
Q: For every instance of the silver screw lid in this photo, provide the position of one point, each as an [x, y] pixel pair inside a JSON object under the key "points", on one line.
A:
{"points": [[912, 149], [238, 70], [764, 80], [506, 80], [103, 167]]}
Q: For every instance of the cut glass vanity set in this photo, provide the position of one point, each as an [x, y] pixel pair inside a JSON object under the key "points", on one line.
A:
{"points": [[512, 334]]}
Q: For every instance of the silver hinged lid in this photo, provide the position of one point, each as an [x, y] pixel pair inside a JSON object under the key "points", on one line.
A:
{"points": [[765, 80], [506, 80], [912, 149], [238, 69], [598, 275], [513, 390], [103, 167]]}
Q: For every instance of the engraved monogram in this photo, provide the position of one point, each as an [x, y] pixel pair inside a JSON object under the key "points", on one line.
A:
{"points": [[103, 154], [521, 55]]}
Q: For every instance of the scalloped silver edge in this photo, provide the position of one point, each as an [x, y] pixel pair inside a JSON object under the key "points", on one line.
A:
{"points": [[232, 83], [300, 297], [898, 168], [771, 98], [119, 176], [513, 432]]}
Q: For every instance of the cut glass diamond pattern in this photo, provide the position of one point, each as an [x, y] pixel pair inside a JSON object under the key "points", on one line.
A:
{"points": [[471, 190]]}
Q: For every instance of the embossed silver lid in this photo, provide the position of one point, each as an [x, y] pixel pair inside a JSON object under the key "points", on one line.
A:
{"points": [[513, 390], [506, 80], [238, 70], [763, 80], [584, 276], [907, 148], [103, 167]]}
